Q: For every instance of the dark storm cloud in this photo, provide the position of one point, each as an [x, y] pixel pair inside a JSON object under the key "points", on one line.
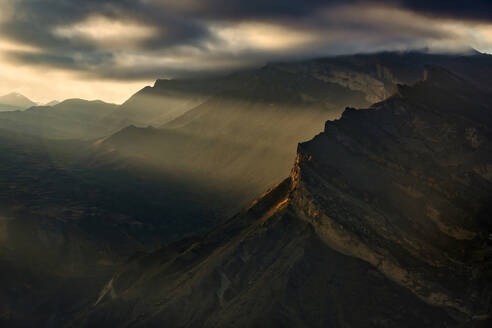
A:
{"points": [[476, 9], [239, 9], [84, 62], [33, 21], [187, 23], [180, 21]]}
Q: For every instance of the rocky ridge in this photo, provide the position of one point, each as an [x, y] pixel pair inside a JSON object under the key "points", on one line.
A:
{"points": [[384, 222]]}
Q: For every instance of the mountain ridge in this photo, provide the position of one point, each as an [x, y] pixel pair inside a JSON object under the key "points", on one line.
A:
{"points": [[259, 115], [93, 205], [394, 209], [70, 119]]}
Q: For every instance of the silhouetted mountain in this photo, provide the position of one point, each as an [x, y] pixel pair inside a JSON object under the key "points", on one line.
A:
{"points": [[364, 78], [70, 119], [165, 101], [383, 222], [15, 101]]}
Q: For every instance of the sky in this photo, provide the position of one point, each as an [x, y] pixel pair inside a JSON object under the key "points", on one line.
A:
{"points": [[109, 49]]}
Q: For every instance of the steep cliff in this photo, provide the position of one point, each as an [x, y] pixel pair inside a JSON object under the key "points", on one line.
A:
{"points": [[406, 187]]}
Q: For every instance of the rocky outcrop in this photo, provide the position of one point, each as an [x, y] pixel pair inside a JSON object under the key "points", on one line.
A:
{"points": [[399, 186], [384, 222]]}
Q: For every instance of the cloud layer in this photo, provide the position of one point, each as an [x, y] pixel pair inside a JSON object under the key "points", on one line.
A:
{"points": [[122, 42]]}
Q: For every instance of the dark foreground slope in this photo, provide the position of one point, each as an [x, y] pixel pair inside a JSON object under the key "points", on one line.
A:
{"points": [[384, 222], [65, 226]]}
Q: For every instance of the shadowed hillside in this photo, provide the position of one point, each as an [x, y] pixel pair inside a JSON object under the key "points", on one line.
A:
{"points": [[241, 138], [384, 221]]}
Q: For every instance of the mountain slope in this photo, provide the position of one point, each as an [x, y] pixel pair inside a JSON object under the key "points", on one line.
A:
{"points": [[424, 217], [374, 75], [163, 102], [384, 222], [240, 138], [238, 142]]}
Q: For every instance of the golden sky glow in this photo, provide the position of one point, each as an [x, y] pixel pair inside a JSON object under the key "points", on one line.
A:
{"points": [[107, 32], [43, 85], [263, 36]]}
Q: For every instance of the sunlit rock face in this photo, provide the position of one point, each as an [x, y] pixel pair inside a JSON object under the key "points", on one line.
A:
{"points": [[404, 186], [383, 222]]}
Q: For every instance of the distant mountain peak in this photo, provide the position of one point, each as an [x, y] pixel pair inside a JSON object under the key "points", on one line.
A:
{"points": [[17, 100], [77, 102]]}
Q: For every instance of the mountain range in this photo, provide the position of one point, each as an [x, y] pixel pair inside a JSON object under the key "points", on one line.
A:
{"points": [[134, 206], [383, 222], [240, 140]]}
